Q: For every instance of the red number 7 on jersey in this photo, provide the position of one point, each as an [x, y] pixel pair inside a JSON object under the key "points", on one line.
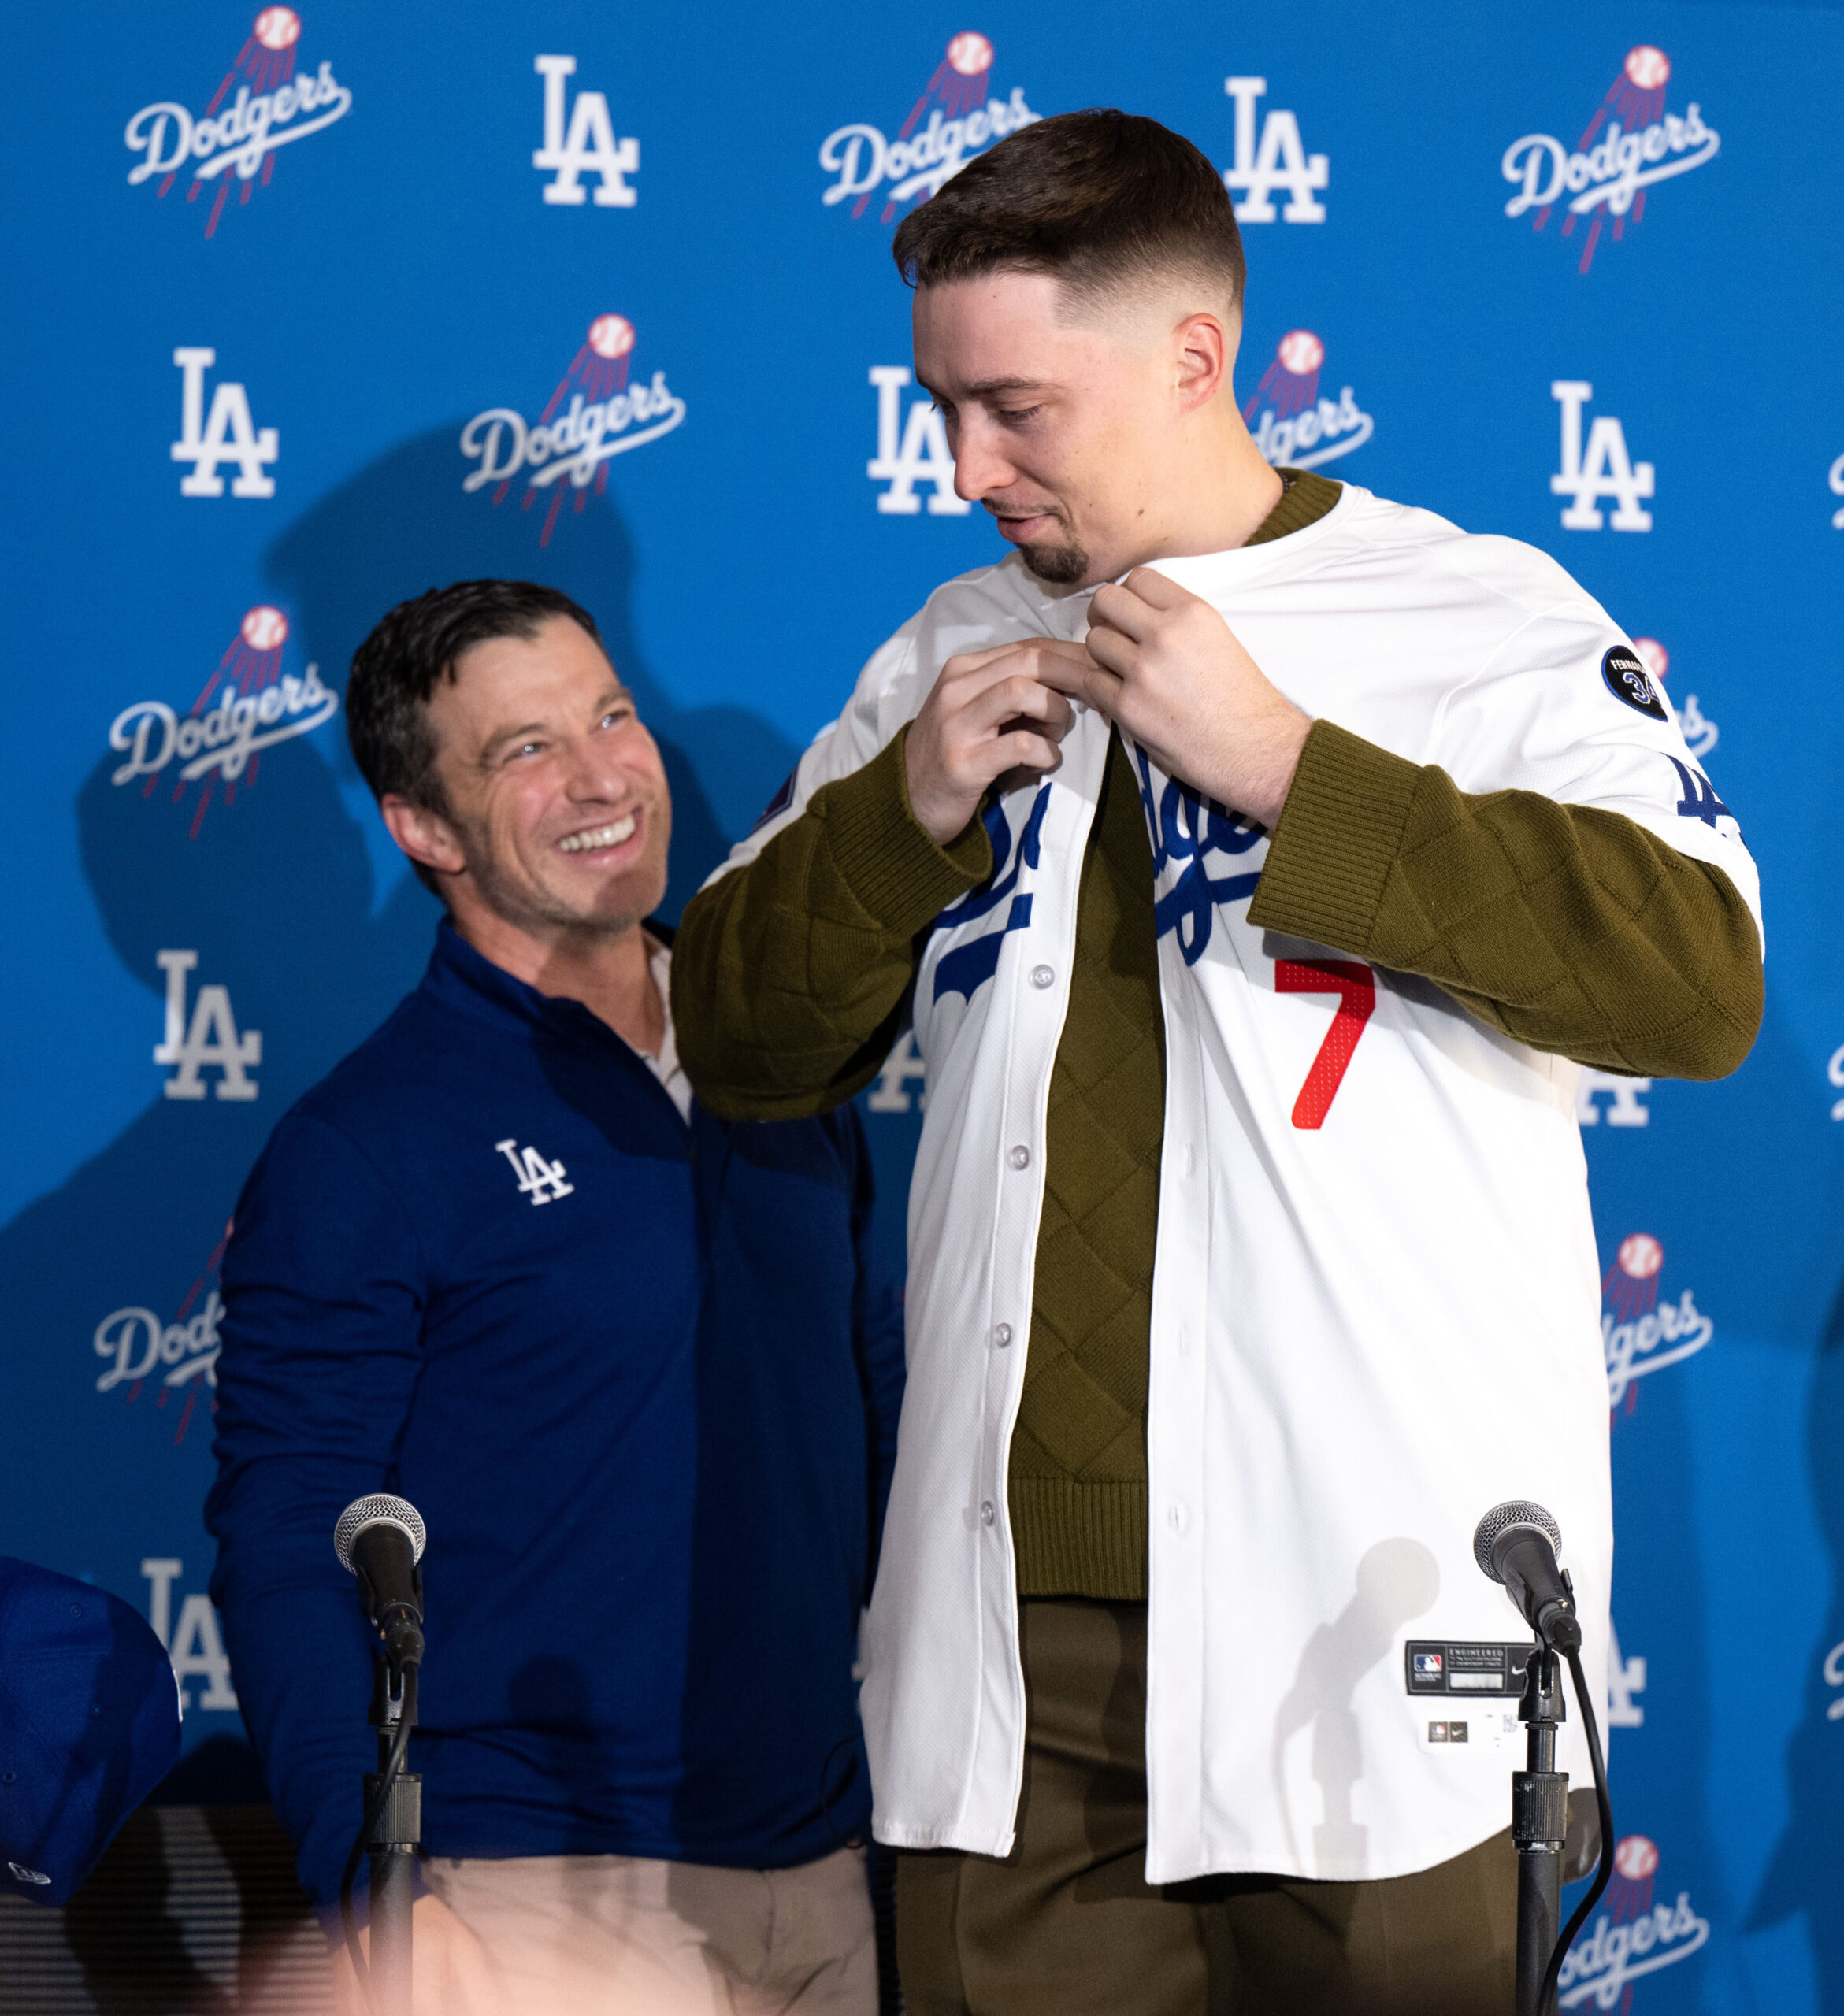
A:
{"points": [[1356, 989]]}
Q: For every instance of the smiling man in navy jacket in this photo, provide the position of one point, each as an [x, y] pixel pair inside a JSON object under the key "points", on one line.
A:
{"points": [[633, 1363]]}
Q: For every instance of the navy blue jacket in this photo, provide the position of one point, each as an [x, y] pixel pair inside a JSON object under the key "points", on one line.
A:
{"points": [[646, 1407]]}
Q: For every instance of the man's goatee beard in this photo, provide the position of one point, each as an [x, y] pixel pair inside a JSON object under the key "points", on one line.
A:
{"points": [[1062, 566]]}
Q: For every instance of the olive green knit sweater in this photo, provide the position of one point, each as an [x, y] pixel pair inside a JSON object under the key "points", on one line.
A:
{"points": [[1574, 930]]}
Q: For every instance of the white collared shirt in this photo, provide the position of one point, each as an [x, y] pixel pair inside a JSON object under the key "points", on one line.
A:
{"points": [[664, 1062]]}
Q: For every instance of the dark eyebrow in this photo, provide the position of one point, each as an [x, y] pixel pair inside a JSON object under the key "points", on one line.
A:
{"points": [[987, 388], [491, 747], [616, 695]]}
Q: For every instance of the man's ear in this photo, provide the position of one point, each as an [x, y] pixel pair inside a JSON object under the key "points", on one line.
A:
{"points": [[1205, 346], [425, 835]]}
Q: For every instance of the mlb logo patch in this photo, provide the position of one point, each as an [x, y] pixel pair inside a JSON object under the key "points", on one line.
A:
{"points": [[1437, 1733], [1428, 1665]]}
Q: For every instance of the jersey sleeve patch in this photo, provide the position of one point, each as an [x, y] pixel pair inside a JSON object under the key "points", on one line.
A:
{"points": [[1623, 671]]}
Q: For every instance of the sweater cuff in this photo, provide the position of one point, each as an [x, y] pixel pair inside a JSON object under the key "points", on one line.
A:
{"points": [[1337, 837], [885, 857]]}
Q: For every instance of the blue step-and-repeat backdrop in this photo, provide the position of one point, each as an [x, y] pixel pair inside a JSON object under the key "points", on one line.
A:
{"points": [[308, 311]]}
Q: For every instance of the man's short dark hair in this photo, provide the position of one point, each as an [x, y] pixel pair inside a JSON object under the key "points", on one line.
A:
{"points": [[395, 671], [1101, 200]]}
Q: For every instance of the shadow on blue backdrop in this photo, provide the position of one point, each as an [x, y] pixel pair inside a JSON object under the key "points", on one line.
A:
{"points": [[289, 900], [403, 524], [1801, 1875], [272, 894]]}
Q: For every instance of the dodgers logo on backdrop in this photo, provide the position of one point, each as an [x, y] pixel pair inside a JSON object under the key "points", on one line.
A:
{"points": [[1633, 1935], [568, 451], [957, 116], [238, 142], [1700, 733], [249, 704], [139, 1348], [1640, 1333], [1629, 145], [1299, 428]]}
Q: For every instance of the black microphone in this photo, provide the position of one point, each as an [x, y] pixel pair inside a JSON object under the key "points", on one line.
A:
{"points": [[1515, 1543], [380, 1539]]}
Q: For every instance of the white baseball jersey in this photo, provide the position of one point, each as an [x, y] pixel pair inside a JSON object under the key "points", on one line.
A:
{"points": [[1375, 1298]]}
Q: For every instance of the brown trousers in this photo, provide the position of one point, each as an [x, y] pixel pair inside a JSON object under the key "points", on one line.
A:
{"points": [[1068, 1925]]}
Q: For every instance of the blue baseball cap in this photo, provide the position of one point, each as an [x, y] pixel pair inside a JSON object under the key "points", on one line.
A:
{"points": [[89, 1725]]}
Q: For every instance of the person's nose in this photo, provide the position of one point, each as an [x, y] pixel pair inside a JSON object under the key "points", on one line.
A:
{"points": [[595, 773], [981, 464]]}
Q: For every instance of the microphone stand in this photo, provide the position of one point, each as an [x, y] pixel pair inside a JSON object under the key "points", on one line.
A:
{"points": [[393, 1804], [392, 1829], [1539, 1826]]}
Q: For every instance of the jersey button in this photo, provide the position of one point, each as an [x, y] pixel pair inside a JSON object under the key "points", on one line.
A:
{"points": [[1020, 1157], [1002, 1335], [987, 1514], [1042, 976]]}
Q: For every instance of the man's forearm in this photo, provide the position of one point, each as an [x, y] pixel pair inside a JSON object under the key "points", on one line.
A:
{"points": [[790, 974], [301, 1655], [1575, 930]]}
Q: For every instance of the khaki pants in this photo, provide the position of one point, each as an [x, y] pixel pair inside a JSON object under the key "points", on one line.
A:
{"points": [[621, 1936], [1066, 1925]]}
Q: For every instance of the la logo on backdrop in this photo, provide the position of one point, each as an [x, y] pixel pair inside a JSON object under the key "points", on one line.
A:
{"points": [[958, 115], [237, 142], [194, 1641], [1280, 161], [1298, 427], [1629, 146], [567, 448]]}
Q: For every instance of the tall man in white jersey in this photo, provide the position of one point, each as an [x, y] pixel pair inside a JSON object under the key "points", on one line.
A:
{"points": [[1259, 862]]}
